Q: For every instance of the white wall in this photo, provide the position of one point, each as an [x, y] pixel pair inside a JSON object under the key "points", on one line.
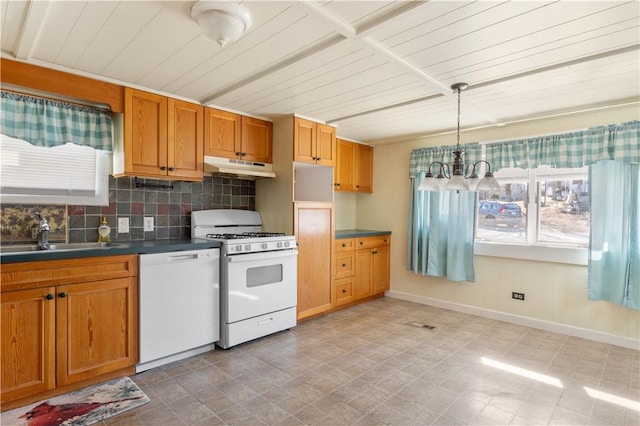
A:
{"points": [[556, 294]]}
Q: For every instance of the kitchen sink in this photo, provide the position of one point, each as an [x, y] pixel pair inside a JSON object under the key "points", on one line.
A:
{"points": [[26, 248]]}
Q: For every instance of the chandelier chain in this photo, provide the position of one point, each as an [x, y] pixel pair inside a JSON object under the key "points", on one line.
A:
{"points": [[459, 92]]}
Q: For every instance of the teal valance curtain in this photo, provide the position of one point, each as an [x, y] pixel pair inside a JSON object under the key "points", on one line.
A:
{"points": [[46, 122], [422, 157], [568, 150]]}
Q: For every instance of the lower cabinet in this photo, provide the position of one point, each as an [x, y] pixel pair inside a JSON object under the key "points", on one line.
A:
{"points": [[313, 228], [362, 267], [66, 324]]}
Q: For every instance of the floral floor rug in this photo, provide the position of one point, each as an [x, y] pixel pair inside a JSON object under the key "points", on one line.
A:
{"points": [[82, 407]]}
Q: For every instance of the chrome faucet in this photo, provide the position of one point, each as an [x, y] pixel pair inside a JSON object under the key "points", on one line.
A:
{"points": [[43, 232]]}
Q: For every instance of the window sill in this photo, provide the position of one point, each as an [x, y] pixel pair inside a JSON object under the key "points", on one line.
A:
{"points": [[539, 253]]}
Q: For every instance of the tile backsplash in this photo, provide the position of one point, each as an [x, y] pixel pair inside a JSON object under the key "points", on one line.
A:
{"points": [[170, 208]]}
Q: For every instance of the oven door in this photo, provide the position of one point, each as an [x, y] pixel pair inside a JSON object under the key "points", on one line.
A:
{"points": [[254, 284]]}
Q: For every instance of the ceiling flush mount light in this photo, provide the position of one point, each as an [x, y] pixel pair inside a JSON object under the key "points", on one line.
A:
{"points": [[221, 21], [458, 177]]}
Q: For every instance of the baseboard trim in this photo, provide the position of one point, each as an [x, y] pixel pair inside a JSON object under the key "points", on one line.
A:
{"points": [[569, 330]]}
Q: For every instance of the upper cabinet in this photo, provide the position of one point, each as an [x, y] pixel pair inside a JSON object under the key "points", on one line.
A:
{"points": [[235, 136], [314, 143], [163, 138], [354, 167]]}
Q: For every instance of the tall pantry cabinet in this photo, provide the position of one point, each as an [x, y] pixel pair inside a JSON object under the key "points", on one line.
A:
{"points": [[300, 201]]}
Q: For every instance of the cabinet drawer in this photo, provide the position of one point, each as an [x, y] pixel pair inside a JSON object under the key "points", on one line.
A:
{"points": [[345, 244], [19, 276], [345, 265], [370, 242], [344, 291]]}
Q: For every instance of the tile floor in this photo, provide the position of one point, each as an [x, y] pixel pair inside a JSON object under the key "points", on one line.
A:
{"points": [[367, 366]]}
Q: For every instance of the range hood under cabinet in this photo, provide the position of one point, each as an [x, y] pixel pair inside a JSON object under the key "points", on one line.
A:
{"points": [[237, 168]]}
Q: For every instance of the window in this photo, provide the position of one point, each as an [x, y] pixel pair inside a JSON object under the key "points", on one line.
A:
{"points": [[65, 174], [542, 206]]}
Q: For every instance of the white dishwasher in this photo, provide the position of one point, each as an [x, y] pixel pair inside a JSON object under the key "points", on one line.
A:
{"points": [[179, 300]]}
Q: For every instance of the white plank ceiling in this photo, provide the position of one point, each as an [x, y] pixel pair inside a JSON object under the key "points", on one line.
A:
{"points": [[378, 70]]}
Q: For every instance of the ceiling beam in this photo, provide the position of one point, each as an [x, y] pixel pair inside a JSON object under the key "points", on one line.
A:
{"points": [[33, 20]]}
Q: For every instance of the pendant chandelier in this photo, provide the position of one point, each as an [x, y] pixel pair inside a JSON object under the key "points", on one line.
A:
{"points": [[458, 177]]}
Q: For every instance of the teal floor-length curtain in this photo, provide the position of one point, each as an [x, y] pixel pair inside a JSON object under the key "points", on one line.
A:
{"points": [[614, 246], [441, 233]]}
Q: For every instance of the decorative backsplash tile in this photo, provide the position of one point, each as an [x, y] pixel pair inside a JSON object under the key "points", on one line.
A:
{"points": [[170, 208], [18, 222]]}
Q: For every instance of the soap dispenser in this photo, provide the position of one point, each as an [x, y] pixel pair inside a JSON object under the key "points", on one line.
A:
{"points": [[103, 231]]}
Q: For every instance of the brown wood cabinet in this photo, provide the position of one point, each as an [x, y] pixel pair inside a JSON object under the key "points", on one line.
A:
{"points": [[354, 167], [66, 324], [364, 168], [372, 265], [362, 267], [313, 228], [344, 270], [163, 138], [235, 136], [314, 143]]}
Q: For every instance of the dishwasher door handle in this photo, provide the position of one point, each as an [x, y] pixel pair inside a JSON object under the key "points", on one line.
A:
{"points": [[182, 257]]}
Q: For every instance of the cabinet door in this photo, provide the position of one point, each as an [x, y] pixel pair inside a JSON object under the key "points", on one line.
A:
{"points": [[325, 145], [364, 168], [96, 328], [304, 140], [380, 269], [145, 133], [256, 140], [185, 140], [28, 342], [344, 172], [314, 233], [222, 134], [362, 286]]}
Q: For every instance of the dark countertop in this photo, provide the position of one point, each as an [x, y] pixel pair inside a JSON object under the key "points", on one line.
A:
{"points": [[127, 247], [353, 233]]}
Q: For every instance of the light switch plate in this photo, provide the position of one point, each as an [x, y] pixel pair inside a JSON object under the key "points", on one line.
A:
{"points": [[123, 225], [148, 224]]}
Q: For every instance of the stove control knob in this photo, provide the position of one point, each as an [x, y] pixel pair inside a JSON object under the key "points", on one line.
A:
{"points": [[264, 245], [286, 243], [238, 247], [247, 247], [279, 244]]}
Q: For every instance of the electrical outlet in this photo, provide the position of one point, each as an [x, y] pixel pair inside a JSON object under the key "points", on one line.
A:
{"points": [[123, 225], [34, 233], [148, 224], [517, 296]]}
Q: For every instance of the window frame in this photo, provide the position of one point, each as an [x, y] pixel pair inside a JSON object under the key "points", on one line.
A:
{"points": [[532, 248]]}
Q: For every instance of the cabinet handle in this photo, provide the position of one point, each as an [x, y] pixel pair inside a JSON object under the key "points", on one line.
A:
{"points": [[318, 158], [374, 252], [344, 291], [361, 242], [239, 154], [344, 264], [163, 168], [62, 295], [171, 169], [344, 244], [243, 154], [49, 296]]}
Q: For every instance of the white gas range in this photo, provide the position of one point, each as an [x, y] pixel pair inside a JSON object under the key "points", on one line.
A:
{"points": [[258, 274]]}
